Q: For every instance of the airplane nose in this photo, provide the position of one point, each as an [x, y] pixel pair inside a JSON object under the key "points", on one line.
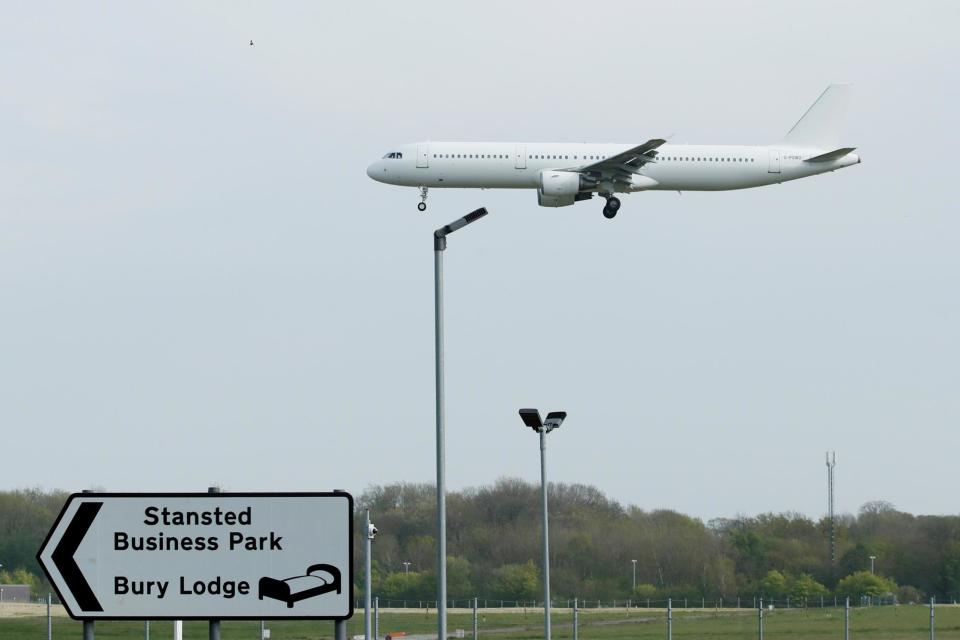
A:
{"points": [[377, 171]]}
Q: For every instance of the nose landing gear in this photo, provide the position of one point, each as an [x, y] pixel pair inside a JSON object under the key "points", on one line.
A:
{"points": [[611, 208], [423, 199]]}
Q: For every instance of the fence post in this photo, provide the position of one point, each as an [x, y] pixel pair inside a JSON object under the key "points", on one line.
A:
{"points": [[846, 619], [475, 618], [669, 618], [576, 620], [760, 619]]}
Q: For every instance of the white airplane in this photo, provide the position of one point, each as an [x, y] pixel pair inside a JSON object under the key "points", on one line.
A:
{"points": [[565, 173]]}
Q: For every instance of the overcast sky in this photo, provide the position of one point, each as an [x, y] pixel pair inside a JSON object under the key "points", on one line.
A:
{"points": [[200, 285]]}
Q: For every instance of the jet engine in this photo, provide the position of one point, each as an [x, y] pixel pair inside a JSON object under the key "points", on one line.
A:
{"points": [[555, 201], [562, 188]]}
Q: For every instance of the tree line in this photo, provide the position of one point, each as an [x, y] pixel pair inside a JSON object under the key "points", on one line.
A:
{"points": [[494, 547]]}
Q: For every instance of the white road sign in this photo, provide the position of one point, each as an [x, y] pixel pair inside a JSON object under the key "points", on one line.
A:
{"points": [[203, 555]]}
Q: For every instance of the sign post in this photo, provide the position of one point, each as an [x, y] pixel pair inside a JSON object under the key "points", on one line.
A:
{"points": [[203, 556]]}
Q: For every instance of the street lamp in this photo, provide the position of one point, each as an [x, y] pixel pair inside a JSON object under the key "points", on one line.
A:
{"points": [[872, 558], [439, 246], [531, 418], [406, 567], [634, 574]]}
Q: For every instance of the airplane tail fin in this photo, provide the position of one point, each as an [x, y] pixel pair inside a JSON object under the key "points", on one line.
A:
{"points": [[820, 125]]}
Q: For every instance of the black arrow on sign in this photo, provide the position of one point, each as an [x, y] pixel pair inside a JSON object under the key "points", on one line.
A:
{"points": [[63, 556]]}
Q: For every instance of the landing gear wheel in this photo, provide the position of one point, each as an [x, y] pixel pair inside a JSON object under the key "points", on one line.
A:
{"points": [[613, 204], [608, 213], [423, 199]]}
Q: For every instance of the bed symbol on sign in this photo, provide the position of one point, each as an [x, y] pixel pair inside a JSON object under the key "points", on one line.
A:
{"points": [[318, 580]]}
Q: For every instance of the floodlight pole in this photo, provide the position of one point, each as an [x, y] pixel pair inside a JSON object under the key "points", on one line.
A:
{"points": [[546, 533], [439, 246], [531, 418]]}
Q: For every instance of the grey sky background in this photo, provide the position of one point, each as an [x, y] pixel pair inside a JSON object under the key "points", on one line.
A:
{"points": [[199, 284]]}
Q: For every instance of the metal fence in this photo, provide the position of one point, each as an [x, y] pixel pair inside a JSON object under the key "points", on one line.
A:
{"points": [[662, 608], [735, 602]]}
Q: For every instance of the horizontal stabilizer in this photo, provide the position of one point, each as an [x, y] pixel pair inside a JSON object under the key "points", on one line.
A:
{"points": [[836, 154]]}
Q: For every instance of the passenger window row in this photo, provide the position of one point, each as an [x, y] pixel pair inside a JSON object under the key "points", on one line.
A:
{"points": [[475, 156], [537, 156], [703, 159], [480, 156]]}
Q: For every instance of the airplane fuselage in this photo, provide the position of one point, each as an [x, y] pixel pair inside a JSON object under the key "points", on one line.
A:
{"points": [[565, 173], [498, 165]]}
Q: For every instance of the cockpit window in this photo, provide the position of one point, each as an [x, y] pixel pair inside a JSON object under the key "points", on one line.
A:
{"points": [[394, 155]]}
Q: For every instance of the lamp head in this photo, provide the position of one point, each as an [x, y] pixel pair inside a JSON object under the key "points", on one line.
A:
{"points": [[531, 418], [554, 420]]}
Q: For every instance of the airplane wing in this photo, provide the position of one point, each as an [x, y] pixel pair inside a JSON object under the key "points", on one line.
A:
{"points": [[622, 166]]}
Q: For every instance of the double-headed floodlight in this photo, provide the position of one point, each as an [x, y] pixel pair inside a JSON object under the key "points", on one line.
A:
{"points": [[531, 418]]}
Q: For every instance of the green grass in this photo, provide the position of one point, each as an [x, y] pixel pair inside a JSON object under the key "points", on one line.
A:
{"points": [[878, 623]]}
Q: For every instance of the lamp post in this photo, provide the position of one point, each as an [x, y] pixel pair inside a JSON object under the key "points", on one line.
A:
{"points": [[439, 246], [634, 574], [872, 558], [406, 567], [531, 418]]}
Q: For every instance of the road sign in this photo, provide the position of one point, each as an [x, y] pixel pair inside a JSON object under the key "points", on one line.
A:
{"points": [[203, 555]]}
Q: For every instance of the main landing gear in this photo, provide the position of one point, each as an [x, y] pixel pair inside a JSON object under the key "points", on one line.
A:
{"points": [[423, 199], [611, 208]]}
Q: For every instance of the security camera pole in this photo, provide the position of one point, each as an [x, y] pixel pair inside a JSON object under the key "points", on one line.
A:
{"points": [[531, 418], [369, 532], [439, 246]]}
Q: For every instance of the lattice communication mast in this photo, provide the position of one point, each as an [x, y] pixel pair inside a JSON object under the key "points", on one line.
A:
{"points": [[831, 463]]}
